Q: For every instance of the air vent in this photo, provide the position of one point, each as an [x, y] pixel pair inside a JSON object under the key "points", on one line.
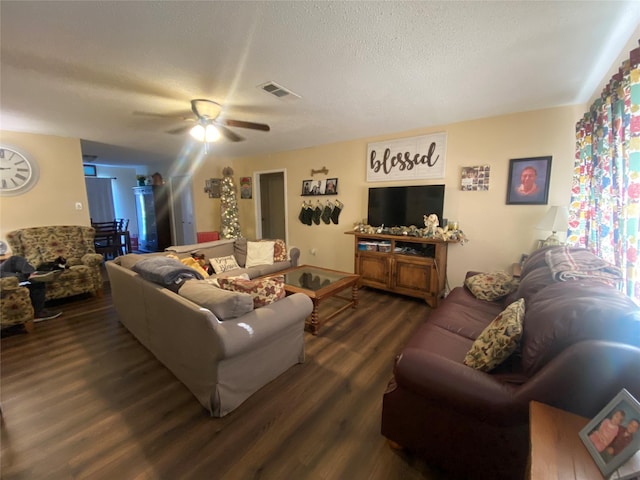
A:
{"points": [[279, 91], [89, 158]]}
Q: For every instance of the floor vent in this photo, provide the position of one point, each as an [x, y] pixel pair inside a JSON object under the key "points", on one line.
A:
{"points": [[278, 91]]}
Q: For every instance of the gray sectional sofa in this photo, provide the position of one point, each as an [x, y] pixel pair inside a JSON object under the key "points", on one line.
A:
{"points": [[221, 361]]}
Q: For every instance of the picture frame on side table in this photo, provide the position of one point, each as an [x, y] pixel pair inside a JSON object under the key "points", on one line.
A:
{"points": [[612, 437], [529, 181]]}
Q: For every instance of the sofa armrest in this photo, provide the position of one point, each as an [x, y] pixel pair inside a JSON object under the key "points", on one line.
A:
{"points": [[262, 324], [92, 259], [463, 388], [294, 255], [585, 376], [9, 283]]}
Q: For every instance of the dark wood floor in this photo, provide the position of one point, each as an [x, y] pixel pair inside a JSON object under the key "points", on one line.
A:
{"points": [[81, 398]]}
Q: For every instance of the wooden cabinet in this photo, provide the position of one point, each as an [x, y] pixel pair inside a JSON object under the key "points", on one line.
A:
{"points": [[407, 265], [154, 222]]}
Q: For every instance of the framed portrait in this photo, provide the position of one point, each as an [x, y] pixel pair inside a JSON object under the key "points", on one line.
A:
{"points": [[331, 186], [612, 436], [528, 181], [306, 187], [245, 187]]}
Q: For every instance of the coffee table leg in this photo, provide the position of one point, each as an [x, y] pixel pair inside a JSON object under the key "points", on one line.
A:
{"points": [[354, 295], [315, 324]]}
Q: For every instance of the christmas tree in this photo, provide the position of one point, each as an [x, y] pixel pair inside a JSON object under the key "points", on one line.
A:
{"points": [[229, 206]]}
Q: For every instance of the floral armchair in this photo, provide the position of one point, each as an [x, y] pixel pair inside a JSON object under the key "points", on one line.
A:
{"points": [[15, 304], [73, 242]]}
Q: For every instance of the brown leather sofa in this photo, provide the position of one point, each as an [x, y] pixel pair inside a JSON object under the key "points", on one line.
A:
{"points": [[579, 348]]}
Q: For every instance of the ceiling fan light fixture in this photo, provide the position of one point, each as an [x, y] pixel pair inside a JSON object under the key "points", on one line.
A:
{"points": [[211, 133], [197, 132], [205, 133]]}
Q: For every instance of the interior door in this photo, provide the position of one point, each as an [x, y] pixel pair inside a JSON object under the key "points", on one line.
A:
{"points": [[272, 211], [182, 202]]}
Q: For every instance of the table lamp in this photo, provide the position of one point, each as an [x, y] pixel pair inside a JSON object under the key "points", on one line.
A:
{"points": [[557, 218]]}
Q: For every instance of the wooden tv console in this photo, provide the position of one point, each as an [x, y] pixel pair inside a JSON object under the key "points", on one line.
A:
{"points": [[412, 266]]}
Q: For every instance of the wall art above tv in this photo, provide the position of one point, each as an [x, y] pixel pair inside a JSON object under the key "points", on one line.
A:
{"points": [[414, 158]]}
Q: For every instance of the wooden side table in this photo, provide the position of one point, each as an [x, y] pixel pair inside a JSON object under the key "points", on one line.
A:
{"points": [[556, 450]]}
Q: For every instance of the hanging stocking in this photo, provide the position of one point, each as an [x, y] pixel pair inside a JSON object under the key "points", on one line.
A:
{"points": [[308, 215], [336, 211], [302, 211], [317, 213], [326, 213]]}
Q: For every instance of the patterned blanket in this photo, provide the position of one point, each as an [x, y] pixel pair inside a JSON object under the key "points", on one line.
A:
{"points": [[570, 264]]}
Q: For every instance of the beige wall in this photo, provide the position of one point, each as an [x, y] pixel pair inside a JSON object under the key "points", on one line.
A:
{"points": [[61, 184], [498, 233]]}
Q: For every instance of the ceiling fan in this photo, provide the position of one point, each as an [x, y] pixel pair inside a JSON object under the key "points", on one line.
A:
{"points": [[210, 128]]}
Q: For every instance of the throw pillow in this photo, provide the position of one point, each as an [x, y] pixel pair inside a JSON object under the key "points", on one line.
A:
{"points": [[498, 340], [263, 290], [223, 303], [279, 251], [259, 253], [224, 264], [214, 281], [491, 286]]}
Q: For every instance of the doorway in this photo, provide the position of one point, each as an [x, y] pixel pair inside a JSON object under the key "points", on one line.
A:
{"points": [[182, 207], [271, 205]]}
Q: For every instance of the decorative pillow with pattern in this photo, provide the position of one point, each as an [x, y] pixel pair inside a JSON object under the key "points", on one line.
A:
{"points": [[279, 251], [263, 290], [224, 264], [498, 340], [491, 286]]}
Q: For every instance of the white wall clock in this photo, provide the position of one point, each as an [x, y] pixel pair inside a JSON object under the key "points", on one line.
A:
{"points": [[18, 171]]}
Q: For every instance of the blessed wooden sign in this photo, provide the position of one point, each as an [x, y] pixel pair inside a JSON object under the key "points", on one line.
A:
{"points": [[411, 158]]}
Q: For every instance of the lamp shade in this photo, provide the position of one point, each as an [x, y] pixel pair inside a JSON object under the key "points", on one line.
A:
{"points": [[556, 219]]}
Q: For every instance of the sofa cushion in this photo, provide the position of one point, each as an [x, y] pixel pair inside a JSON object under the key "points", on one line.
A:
{"points": [[464, 314], [263, 290], [497, 341], [568, 312], [224, 264], [240, 251], [259, 253], [491, 286], [214, 280], [224, 304]]}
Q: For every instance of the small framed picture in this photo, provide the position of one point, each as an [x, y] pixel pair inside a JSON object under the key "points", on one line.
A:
{"points": [[612, 436], [331, 186], [306, 187], [529, 181], [245, 187]]}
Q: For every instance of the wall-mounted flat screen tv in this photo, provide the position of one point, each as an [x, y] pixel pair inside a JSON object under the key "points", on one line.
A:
{"points": [[404, 206]]}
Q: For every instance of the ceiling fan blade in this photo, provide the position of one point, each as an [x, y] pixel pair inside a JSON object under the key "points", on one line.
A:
{"points": [[179, 130], [172, 116], [228, 134], [239, 123]]}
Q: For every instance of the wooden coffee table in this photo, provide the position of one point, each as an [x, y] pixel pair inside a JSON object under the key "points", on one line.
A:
{"points": [[319, 284]]}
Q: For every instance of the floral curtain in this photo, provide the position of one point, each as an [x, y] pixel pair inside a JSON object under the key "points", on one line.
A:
{"points": [[605, 195]]}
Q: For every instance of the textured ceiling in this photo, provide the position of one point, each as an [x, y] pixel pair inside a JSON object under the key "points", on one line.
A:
{"points": [[89, 69]]}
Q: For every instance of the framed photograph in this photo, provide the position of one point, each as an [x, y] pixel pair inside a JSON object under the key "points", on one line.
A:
{"points": [[529, 181], [306, 187], [612, 436], [331, 186], [245, 187], [475, 178]]}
